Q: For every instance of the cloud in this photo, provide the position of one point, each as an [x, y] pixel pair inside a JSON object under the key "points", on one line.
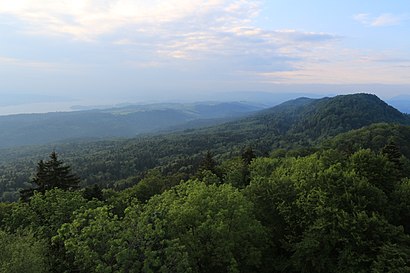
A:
{"points": [[350, 66], [87, 19], [185, 39], [158, 33], [386, 19], [7, 61]]}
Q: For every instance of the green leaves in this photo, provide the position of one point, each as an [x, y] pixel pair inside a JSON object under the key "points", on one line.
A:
{"points": [[92, 238], [326, 212], [215, 224], [333, 217], [22, 253]]}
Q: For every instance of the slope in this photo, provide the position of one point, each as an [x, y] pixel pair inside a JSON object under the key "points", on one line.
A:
{"points": [[128, 121], [300, 123]]}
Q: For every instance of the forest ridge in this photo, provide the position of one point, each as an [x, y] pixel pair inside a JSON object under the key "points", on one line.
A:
{"points": [[311, 185]]}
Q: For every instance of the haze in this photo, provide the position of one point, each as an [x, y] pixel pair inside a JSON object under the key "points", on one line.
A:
{"points": [[55, 54]]}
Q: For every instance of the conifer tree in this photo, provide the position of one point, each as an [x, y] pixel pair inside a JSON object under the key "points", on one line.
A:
{"points": [[393, 154], [248, 155], [208, 163], [51, 174]]}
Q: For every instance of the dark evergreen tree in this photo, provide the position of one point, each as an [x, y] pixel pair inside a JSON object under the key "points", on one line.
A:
{"points": [[208, 163], [248, 155], [393, 154], [93, 192], [208, 166], [51, 174]]}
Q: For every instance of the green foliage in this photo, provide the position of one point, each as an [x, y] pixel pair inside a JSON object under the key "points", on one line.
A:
{"points": [[153, 183], [263, 166], [332, 116], [248, 155], [214, 224], [45, 213], [400, 205], [235, 172], [209, 178], [374, 137], [5, 212], [93, 192], [326, 212], [377, 169], [208, 163], [92, 238], [22, 253], [331, 217], [191, 228]]}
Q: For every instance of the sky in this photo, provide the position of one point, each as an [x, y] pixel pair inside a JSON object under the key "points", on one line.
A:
{"points": [[100, 51]]}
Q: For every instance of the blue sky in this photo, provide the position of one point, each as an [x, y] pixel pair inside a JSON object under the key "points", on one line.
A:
{"points": [[121, 50]]}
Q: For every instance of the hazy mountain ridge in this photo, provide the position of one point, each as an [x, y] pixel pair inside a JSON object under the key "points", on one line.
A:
{"points": [[402, 103], [128, 121], [312, 119], [331, 116]]}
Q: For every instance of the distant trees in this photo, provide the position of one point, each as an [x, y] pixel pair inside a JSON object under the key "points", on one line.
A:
{"points": [[51, 174]]}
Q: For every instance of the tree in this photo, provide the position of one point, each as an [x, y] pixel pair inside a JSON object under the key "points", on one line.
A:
{"points": [[325, 217], [235, 172], [248, 155], [93, 239], [212, 226], [208, 163], [20, 253], [393, 154], [377, 169], [93, 192], [51, 174], [44, 215]]}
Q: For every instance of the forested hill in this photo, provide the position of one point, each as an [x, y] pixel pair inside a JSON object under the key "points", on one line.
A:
{"points": [[325, 117], [373, 137], [125, 121], [298, 124]]}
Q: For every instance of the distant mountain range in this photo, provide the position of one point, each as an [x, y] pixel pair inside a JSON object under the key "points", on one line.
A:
{"points": [[402, 103], [127, 121]]}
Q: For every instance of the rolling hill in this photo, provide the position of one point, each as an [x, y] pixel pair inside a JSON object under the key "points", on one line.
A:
{"points": [[127, 121], [298, 124]]}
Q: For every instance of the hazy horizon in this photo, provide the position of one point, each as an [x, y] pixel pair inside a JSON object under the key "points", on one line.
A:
{"points": [[59, 54], [46, 104]]}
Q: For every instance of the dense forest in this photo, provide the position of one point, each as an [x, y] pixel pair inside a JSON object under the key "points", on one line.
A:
{"points": [[307, 186]]}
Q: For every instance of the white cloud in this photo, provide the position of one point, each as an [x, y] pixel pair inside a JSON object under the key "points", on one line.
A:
{"points": [[216, 35], [386, 19], [350, 66], [7, 61], [87, 19]]}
